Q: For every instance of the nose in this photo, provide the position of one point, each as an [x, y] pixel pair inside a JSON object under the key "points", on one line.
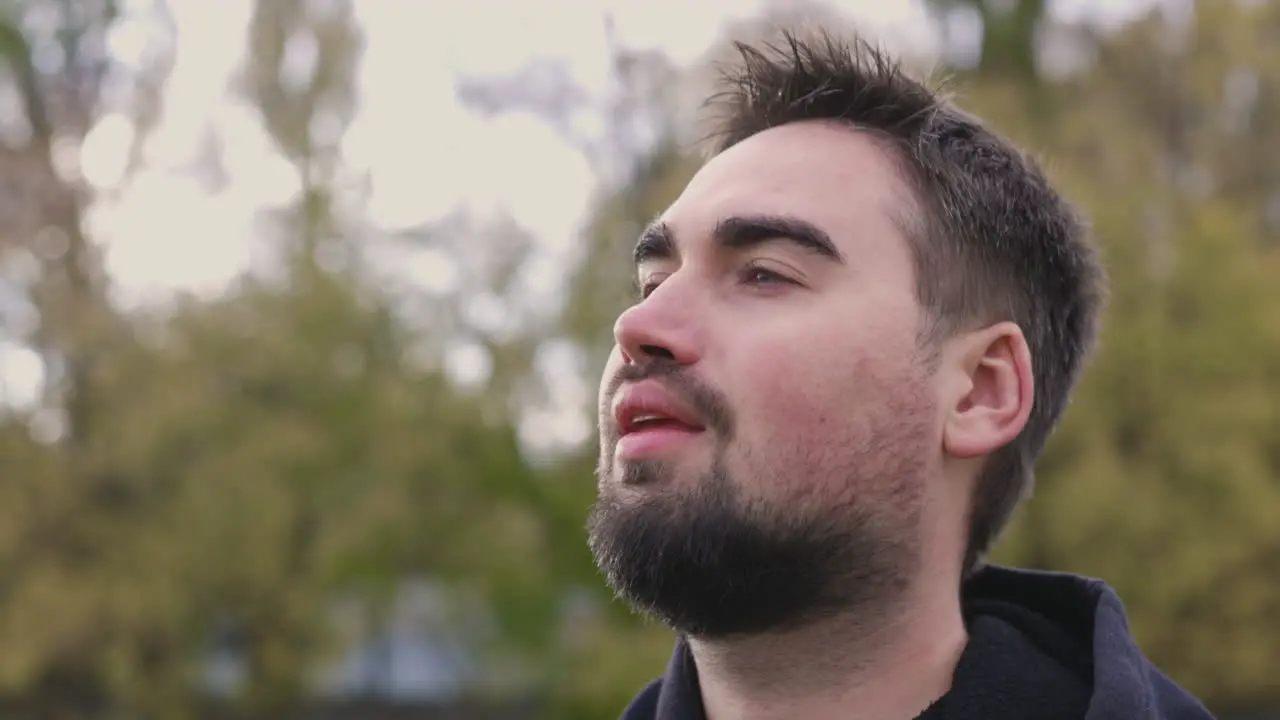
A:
{"points": [[660, 327]]}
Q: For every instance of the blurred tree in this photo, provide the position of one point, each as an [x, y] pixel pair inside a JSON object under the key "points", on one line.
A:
{"points": [[300, 72], [1010, 30], [231, 468], [57, 500], [448, 492]]}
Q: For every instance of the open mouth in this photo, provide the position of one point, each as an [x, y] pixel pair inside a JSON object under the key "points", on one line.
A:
{"points": [[654, 436], [646, 422], [652, 422]]}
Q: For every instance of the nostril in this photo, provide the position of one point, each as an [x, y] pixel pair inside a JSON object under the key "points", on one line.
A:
{"points": [[657, 351]]}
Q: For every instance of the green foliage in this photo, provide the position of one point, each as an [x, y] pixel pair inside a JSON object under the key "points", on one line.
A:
{"points": [[1009, 35]]}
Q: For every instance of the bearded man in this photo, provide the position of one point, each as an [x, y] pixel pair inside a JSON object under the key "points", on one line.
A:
{"points": [[856, 328]]}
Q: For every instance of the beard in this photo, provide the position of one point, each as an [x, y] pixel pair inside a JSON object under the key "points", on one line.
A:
{"points": [[709, 562]]}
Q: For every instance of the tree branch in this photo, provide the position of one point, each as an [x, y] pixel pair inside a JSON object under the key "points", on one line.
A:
{"points": [[16, 51]]}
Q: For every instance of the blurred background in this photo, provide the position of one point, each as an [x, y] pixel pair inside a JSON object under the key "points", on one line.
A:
{"points": [[303, 305]]}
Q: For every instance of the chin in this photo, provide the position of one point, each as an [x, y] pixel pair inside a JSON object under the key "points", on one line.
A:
{"points": [[638, 475]]}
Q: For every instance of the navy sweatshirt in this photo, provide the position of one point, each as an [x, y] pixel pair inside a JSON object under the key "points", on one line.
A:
{"points": [[1042, 646]]}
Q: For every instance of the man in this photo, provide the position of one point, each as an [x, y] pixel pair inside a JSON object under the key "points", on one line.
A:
{"points": [[856, 328]]}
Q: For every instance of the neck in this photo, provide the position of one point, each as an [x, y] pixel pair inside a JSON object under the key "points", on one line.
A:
{"points": [[881, 665]]}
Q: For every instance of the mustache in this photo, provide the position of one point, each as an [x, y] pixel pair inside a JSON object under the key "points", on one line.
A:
{"points": [[709, 403]]}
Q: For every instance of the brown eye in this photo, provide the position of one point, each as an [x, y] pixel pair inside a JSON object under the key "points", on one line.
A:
{"points": [[645, 288]]}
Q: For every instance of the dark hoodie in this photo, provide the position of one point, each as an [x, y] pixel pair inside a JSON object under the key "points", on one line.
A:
{"points": [[1042, 646]]}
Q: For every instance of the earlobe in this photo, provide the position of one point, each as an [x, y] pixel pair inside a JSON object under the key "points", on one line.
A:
{"points": [[998, 391]]}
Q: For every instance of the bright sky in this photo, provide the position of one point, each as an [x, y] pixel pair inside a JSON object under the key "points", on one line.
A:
{"points": [[425, 154]]}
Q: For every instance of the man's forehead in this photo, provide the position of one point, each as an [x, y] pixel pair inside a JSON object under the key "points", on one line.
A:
{"points": [[810, 142]]}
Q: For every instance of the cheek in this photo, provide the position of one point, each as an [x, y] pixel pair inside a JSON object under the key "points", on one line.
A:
{"points": [[797, 403], [815, 406], [800, 387]]}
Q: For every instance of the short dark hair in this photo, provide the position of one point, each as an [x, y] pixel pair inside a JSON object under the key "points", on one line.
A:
{"points": [[991, 239]]}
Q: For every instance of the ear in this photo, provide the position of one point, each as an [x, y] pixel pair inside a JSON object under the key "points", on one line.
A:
{"points": [[993, 390]]}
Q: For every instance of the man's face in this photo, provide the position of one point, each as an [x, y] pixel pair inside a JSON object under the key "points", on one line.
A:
{"points": [[767, 417]]}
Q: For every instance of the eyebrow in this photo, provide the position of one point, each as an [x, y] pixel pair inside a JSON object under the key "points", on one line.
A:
{"points": [[740, 232]]}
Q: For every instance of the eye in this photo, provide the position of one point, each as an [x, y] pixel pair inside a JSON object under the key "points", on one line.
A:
{"points": [[646, 286], [755, 275]]}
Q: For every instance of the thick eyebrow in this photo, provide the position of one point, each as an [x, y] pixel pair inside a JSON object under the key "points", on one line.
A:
{"points": [[746, 231], [655, 243], [740, 232]]}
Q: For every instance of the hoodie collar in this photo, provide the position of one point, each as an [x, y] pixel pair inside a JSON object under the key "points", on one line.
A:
{"points": [[1073, 628]]}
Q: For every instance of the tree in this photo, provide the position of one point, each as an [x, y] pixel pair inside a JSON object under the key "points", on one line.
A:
{"points": [[1010, 31], [60, 502]]}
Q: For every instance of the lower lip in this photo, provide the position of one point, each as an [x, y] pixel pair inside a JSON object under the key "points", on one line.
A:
{"points": [[649, 443]]}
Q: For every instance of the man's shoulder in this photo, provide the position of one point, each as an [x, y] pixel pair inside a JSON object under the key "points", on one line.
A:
{"points": [[1175, 702]]}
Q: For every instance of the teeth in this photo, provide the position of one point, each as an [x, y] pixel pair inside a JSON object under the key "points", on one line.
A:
{"points": [[645, 418]]}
